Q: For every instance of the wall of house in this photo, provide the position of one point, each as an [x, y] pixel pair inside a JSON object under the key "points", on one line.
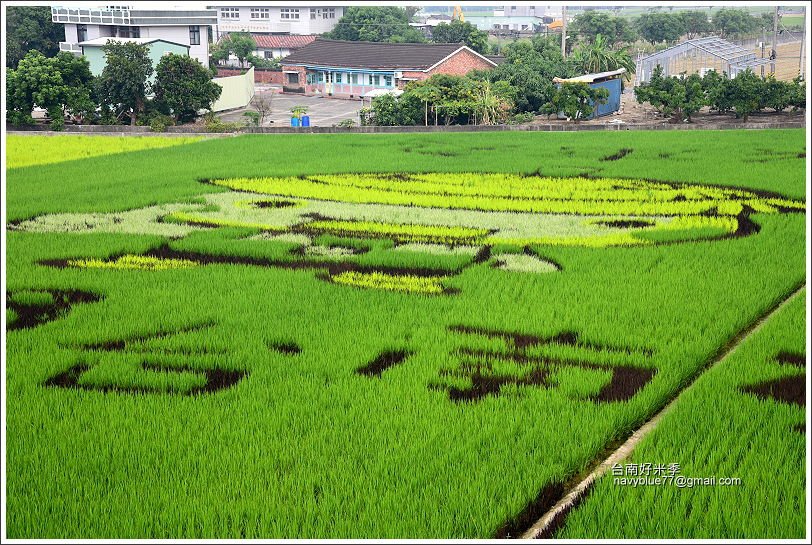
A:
{"points": [[98, 59], [310, 20], [261, 75], [237, 91], [180, 34], [460, 64]]}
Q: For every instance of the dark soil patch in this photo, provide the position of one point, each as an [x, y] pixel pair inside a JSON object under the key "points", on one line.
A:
{"points": [[216, 379], [785, 390], [382, 362], [626, 224], [792, 358], [483, 254], [29, 316], [543, 502], [800, 428], [621, 153], [273, 204], [664, 155], [288, 348], [626, 380]]}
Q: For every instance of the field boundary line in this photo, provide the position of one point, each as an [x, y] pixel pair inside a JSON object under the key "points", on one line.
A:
{"points": [[554, 518]]}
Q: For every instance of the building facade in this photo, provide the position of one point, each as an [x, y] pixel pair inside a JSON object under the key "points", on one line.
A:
{"points": [[191, 28], [277, 20], [351, 69], [157, 48]]}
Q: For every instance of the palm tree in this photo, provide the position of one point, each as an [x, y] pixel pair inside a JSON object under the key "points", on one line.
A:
{"points": [[600, 57]]}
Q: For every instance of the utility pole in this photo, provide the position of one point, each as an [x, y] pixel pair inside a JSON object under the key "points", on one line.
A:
{"points": [[763, 37], [803, 47], [774, 54], [564, 31]]}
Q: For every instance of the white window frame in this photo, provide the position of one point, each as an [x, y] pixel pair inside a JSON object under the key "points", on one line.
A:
{"points": [[229, 13], [260, 13], [289, 14], [328, 13]]}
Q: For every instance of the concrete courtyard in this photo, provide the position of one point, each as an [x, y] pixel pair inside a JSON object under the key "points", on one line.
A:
{"points": [[323, 112]]}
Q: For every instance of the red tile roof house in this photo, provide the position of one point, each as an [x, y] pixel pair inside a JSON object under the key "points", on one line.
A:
{"points": [[349, 69], [275, 45]]}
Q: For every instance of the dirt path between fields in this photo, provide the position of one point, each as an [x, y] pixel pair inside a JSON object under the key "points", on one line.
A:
{"points": [[554, 519]]}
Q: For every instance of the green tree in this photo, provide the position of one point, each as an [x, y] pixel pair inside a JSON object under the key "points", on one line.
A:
{"points": [[735, 22], [696, 23], [576, 100], [219, 52], [29, 28], [744, 93], [124, 82], [599, 57], [184, 87], [460, 32], [529, 69], [61, 85], [660, 27], [714, 85], [674, 97], [588, 25], [375, 24], [241, 44]]}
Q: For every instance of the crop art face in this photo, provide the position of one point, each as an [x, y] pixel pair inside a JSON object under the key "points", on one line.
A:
{"points": [[464, 218]]}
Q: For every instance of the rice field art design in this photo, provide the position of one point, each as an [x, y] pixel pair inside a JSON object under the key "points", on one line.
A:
{"points": [[399, 339], [412, 233]]}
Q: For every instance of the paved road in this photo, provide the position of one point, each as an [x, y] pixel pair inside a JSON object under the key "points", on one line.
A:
{"points": [[323, 112]]}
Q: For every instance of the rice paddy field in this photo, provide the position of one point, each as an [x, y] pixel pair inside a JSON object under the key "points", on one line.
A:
{"points": [[406, 336]]}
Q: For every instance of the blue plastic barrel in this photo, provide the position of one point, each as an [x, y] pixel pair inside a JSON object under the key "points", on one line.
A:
{"points": [[305, 121], [294, 121]]}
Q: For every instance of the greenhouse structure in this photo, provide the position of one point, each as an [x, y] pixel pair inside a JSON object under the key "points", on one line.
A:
{"points": [[699, 55]]}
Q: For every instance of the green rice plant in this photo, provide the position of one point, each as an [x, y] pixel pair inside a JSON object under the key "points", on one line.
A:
{"points": [[304, 437], [431, 285], [30, 150], [32, 298], [133, 262], [760, 442]]}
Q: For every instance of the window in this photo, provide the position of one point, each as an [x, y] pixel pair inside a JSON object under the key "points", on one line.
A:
{"points": [[315, 13], [135, 32], [293, 78], [194, 35], [320, 78], [290, 13], [353, 78], [268, 54], [81, 32], [229, 13], [339, 77], [328, 13], [311, 78], [328, 77], [387, 81], [375, 80], [260, 13]]}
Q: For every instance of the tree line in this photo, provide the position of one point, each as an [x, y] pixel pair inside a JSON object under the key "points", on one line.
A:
{"points": [[125, 91]]}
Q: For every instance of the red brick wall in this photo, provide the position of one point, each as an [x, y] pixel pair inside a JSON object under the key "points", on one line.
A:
{"points": [[460, 64], [274, 77], [457, 65]]}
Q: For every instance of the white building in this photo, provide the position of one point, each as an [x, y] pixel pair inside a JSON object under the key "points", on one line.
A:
{"points": [[192, 28], [538, 10], [277, 20]]}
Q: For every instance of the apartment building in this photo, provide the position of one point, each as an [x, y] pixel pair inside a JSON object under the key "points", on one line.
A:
{"points": [[277, 20], [192, 28]]}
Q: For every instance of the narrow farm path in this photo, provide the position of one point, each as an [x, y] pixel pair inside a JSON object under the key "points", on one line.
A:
{"points": [[554, 519]]}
